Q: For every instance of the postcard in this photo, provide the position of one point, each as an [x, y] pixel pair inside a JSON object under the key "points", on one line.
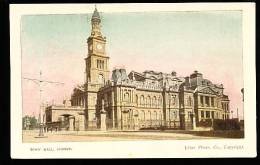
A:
{"points": [[133, 80]]}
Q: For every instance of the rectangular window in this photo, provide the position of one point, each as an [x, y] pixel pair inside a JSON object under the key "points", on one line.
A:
{"points": [[212, 115], [207, 114], [212, 101], [207, 101], [201, 100], [202, 114]]}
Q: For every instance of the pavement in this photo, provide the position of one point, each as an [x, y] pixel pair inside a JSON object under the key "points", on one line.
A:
{"points": [[31, 136]]}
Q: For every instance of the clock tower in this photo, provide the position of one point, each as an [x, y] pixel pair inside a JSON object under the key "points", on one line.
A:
{"points": [[97, 69]]}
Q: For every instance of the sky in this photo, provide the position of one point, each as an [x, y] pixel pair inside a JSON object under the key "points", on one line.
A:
{"points": [[56, 45]]}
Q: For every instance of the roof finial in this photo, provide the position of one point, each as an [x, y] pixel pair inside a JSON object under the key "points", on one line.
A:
{"points": [[95, 6]]}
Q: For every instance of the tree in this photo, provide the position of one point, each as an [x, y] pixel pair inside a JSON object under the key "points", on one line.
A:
{"points": [[29, 122]]}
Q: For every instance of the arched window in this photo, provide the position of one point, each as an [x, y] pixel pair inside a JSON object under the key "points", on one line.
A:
{"points": [[126, 97], [148, 101], [154, 102], [155, 115], [149, 115], [142, 100], [159, 101], [136, 100], [100, 79], [81, 101], [160, 116], [173, 100], [142, 115]]}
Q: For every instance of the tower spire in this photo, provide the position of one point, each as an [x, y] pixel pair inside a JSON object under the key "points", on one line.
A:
{"points": [[95, 21]]}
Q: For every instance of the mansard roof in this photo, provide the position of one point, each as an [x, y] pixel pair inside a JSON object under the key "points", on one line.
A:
{"points": [[119, 75]]}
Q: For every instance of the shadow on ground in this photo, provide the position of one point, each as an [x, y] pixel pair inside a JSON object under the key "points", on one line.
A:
{"points": [[222, 133]]}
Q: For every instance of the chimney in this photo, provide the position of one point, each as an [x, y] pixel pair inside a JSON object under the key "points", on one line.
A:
{"points": [[187, 81], [173, 73]]}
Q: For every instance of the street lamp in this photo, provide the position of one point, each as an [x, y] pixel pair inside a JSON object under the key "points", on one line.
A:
{"points": [[169, 96], [39, 83], [237, 115], [242, 91], [193, 109], [174, 114]]}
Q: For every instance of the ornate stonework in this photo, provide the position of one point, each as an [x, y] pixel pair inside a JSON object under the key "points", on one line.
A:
{"points": [[139, 100]]}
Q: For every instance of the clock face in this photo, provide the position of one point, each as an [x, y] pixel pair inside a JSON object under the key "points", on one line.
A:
{"points": [[99, 46]]}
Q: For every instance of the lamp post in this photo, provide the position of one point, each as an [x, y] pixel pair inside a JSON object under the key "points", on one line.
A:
{"points": [[169, 96], [174, 114], [39, 83], [237, 115], [242, 91], [193, 109]]}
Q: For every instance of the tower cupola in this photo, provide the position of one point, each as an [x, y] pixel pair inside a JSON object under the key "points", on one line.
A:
{"points": [[95, 22]]}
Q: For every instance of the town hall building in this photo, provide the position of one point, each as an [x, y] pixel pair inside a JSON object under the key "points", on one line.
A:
{"points": [[134, 101]]}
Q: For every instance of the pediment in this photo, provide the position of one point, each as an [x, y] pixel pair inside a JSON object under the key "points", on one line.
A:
{"points": [[207, 90]]}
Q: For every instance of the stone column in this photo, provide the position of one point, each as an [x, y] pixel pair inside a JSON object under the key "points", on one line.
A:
{"points": [[71, 123], [113, 109], [103, 124], [112, 117], [193, 121], [119, 117], [204, 101], [182, 120], [81, 122], [199, 103], [136, 122]]}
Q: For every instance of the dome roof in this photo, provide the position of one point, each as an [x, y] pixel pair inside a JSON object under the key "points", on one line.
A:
{"points": [[96, 14]]}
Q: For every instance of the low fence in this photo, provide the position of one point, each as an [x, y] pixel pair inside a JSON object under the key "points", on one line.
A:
{"points": [[218, 124], [135, 124]]}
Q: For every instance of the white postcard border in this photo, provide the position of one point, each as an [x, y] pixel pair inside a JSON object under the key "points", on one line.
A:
{"points": [[134, 149]]}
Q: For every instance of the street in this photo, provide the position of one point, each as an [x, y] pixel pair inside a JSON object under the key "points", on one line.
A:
{"points": [[31, 136]]}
